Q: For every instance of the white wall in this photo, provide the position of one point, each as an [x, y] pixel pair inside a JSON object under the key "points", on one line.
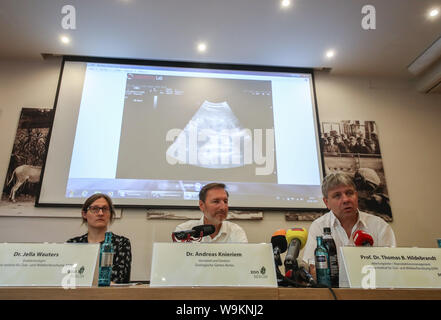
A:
{"points": [[409, 130]]}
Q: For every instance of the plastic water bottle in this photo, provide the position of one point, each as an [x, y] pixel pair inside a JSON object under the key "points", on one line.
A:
{"points": [[329, 243], [322, 263], [106, 261]]}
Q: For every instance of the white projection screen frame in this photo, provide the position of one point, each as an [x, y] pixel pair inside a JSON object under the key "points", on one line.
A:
{"points": [[152, 133]]}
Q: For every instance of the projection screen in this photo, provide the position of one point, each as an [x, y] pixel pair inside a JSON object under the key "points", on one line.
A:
{"points": [[152, 133]]}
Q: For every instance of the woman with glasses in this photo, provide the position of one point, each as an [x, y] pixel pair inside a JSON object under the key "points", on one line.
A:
{"points": [[98, 212]]}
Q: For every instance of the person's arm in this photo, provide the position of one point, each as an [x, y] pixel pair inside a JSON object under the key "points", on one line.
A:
{"points": [[122, 262], [242, 236], [188, 225], [311, 244], [237, 234], [80, 239], [386, 237]]}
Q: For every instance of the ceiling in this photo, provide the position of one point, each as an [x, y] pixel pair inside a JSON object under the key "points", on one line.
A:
{"points": [[235, 31]]}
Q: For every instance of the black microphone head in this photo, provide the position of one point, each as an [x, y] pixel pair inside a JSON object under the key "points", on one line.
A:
{"points": [[278, 240], [180, 235], [206, 230]]}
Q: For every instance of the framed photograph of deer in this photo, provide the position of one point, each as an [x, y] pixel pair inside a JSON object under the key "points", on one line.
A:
{"points": [[27, 156]]}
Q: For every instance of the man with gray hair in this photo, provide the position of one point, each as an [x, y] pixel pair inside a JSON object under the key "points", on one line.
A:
{"points": [[344, 219]]}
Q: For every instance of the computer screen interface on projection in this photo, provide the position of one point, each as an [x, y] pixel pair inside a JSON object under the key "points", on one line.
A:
{"points": [[154, 135]]}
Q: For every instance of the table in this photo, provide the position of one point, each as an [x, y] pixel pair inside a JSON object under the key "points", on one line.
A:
{"points": [[145, 292]]}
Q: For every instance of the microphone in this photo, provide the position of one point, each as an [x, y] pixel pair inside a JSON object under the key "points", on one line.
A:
{"points": [[299, 276], [305, 276], [278, 240], [363, 239], [195, 232], [296, 237]]}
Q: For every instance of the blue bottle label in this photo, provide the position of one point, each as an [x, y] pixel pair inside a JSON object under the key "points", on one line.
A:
{"points": [[106, 259], [321, 262]]}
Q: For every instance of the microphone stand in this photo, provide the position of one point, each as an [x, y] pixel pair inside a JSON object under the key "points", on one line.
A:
{"points": [[292, 273], [282, 281], [293, 280]]}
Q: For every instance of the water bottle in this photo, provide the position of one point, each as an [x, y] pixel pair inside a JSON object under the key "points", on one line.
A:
{"points": [[329, 243], [106, 261], [322, 263]]}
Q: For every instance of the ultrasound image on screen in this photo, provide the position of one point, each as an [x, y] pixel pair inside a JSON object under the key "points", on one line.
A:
{"points": [[215, 125]]}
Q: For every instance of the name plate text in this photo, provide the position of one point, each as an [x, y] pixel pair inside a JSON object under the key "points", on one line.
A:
{"points": [[213, 264], [65, 265], [377, 267]]}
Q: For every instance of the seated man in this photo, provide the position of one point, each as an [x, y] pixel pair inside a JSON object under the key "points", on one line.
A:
{"points": [[213, 202], [344, 219]]}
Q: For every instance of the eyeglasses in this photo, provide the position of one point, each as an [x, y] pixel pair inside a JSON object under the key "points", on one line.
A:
{"points": [[96, 210]]}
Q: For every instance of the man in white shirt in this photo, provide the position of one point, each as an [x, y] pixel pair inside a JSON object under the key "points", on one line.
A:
{"points": [[213, 202], [344, 219]]}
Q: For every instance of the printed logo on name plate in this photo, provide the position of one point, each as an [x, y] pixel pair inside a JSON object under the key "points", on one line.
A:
{"points": [[77, 273], [259, 274]]}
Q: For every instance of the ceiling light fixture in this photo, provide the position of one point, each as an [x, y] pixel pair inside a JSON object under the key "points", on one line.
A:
{"points": [[433, 13], [285, 3], [202, 47], [330, 54], [64, 39]]}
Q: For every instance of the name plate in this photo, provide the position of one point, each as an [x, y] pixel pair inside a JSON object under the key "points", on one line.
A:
{"points": [[377, 267], [213, 264], [67, 265]]}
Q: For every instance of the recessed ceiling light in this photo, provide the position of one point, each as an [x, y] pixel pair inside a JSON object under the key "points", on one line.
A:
{"points": [[202, 47], [285, 3], [330, 53], [64, 39], [433, 12]]}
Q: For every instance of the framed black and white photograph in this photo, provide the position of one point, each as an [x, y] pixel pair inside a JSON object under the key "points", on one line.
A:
{"points": [[27, 158], [353, 146]]}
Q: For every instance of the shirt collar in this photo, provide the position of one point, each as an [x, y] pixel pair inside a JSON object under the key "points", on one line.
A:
{"points": [[361, 221], [85, 237]]}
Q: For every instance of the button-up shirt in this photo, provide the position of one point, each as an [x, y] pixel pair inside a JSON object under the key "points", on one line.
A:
{"points": [[379, 229]]}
